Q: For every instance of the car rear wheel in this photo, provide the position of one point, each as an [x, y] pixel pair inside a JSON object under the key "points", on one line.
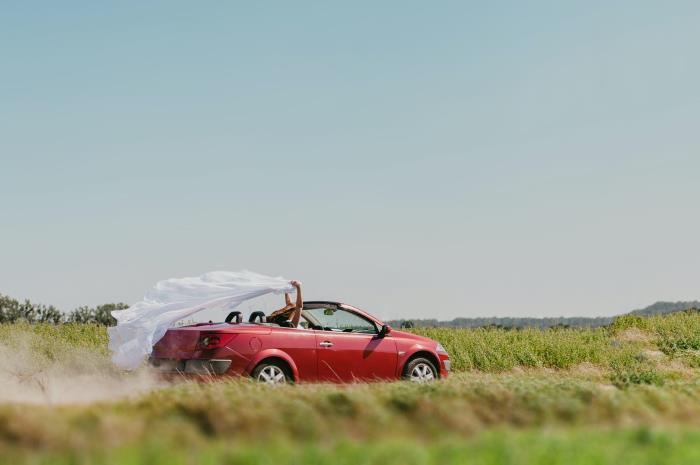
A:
{"points": [[271, 373], [420, 370]]}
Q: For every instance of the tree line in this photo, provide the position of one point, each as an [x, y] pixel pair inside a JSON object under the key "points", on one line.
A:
{"points": [[14, 311], [505, 322], [659, 308]]}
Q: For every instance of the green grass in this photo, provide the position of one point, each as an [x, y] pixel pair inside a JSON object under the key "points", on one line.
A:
{"points": [[495, 349], [490, 349], [463, 405], [53, 339], [471, 414], [629, 393], [639, 446]]}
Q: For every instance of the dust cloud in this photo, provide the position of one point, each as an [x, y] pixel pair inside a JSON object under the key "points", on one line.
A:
{"points": [[38, 372]]}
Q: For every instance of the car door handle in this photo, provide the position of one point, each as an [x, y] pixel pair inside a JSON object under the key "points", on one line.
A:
{"points": [[326, 344]]}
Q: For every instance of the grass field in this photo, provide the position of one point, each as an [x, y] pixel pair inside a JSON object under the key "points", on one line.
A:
{"points": [[629, 393]]}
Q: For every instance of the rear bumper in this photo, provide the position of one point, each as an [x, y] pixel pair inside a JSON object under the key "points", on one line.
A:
{"points": [[191, 367]]}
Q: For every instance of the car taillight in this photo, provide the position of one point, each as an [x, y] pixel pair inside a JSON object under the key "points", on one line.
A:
{"points": [[214, 341]]}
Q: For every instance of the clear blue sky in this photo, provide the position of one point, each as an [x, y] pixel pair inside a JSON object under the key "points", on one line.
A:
{"points": [[417, 159]]}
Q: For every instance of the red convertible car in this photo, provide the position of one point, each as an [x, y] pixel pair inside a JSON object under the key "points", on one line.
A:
{"points": [[334, 343]]}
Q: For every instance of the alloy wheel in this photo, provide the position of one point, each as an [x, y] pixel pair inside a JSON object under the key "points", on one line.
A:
{"points": [[272, 374], [422, 373]]}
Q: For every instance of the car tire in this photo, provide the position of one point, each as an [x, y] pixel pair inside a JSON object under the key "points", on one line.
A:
{"points": [[420, 370], [272, 373]]}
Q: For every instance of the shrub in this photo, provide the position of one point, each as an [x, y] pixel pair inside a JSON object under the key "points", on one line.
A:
{"points": [[13, 311]]}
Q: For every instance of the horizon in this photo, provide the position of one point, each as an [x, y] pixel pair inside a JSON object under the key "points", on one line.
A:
{"points": [[269, 303], [413, 160]]}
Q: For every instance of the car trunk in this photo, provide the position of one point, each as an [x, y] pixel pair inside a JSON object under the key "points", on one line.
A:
{"points": [[178, 352], [177, 343], [179, 349]]}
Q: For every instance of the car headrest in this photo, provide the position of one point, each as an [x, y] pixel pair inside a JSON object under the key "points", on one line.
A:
{"points": [[237, 315], [257, 315]]}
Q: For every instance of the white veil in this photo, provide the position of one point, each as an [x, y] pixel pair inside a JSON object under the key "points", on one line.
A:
{"points": [[143, 324]]}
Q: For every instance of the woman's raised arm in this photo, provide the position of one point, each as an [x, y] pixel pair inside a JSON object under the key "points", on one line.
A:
{"points": [[296, 315]]}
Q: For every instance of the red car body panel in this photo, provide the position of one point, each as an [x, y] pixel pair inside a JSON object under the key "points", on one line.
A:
{"points": [[355, 357], [313, 355]]}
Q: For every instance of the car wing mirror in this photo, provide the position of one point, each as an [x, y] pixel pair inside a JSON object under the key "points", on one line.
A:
{"points": [[386, 329]]}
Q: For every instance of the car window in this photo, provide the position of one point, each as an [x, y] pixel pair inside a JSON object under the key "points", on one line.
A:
{"points": [[303, 323], [336, 319]]}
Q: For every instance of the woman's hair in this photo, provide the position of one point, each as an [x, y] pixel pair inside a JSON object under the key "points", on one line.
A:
{"points": [[280, 319]]}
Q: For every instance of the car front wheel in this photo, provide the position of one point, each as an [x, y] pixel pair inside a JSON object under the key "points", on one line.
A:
{"points": [[271, 373], [420, 370]]}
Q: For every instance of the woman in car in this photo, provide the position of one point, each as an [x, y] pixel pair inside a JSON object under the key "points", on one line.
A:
{"points": [[290, 314]]}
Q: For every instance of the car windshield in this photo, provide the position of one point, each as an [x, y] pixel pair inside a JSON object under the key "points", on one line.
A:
{"points": [[338, 319]]}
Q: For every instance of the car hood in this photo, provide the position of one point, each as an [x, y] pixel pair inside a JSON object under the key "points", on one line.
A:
{"points": [[414, 337]]}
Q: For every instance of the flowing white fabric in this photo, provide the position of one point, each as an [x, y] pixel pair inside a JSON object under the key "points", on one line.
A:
{"points": [[143, 324]]}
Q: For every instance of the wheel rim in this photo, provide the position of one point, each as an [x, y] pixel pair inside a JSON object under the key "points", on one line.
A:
{"points": [[422, 373], [272, 374]]}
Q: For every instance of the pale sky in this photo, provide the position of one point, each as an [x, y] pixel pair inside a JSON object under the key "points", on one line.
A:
{"points": [[415, 159]]}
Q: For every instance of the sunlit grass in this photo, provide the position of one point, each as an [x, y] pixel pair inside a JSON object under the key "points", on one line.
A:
{"points": [[628, 393]]}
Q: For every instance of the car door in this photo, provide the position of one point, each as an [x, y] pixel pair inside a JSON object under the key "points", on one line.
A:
{"points": [[300, 345], [349, 348]]}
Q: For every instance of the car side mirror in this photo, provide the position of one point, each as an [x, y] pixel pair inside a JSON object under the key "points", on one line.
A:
{"points": [[386, 329]]}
